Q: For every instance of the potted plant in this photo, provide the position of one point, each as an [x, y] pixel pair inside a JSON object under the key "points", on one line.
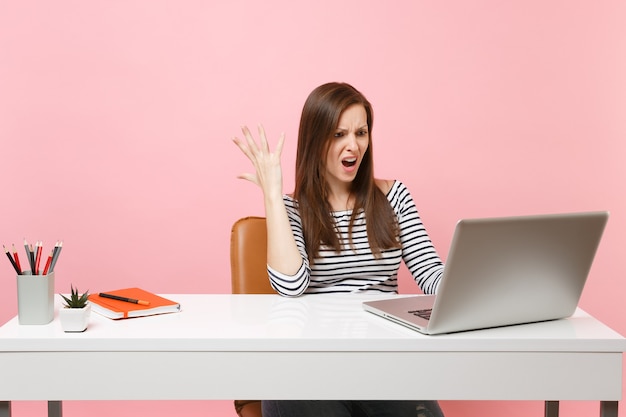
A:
{"points": [[75, 313]]}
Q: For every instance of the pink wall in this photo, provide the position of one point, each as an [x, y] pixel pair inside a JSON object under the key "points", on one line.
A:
{"points": [[116, 119]]}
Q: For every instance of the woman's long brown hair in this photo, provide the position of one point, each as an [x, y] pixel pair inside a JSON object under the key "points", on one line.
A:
{"points": [[319, 120]]}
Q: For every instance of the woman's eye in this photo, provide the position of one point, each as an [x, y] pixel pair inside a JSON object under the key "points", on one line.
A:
{"points": [[338, 134], [362, 133]]}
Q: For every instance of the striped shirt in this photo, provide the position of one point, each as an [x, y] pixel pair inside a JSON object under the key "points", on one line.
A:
{"points": [[354, 268]]}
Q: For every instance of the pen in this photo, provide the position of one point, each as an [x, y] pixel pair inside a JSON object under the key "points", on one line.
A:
{"points": [[17, 259], [12, 261], [128, 300]]}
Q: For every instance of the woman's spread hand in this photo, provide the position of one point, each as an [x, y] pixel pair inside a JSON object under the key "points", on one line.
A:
{"points": [[268, 171]]}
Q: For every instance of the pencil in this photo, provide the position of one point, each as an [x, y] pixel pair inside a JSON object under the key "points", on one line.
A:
{"points": [[48, 262], [128, 300], [38, 246], [17, 259], [29, 256], [31, 251], [55, 257], [12, 261]]}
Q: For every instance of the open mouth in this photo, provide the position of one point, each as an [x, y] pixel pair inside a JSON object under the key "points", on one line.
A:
{"points": [[350, 162]]}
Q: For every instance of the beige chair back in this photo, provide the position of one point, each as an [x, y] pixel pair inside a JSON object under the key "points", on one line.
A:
{"points": [[248, 257]]}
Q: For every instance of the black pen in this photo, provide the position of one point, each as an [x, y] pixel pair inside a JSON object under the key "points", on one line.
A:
{"points": [[128, 300]]}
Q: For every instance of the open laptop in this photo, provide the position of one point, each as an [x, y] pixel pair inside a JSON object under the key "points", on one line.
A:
{"points": [[505, 271]]}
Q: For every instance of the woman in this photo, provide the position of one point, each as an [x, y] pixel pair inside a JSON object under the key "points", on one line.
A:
{"points": [[341, 230]]}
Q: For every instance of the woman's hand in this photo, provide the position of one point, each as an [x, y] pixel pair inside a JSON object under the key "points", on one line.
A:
{"points": [[268, 170]]}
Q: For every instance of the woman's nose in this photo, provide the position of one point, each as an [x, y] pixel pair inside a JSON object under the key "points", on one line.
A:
{"points": [[351, 142]]}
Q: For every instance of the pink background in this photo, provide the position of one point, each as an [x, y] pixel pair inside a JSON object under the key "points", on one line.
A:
{"points": [[116, 119]]}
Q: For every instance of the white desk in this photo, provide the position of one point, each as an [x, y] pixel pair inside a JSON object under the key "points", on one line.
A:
{"points": [[311, 347]]}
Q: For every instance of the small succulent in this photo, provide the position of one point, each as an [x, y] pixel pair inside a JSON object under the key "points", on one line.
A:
{"points": [[76, 300]]}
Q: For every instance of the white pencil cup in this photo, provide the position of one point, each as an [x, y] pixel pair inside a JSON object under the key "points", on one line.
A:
{"points": [[35, 298]]}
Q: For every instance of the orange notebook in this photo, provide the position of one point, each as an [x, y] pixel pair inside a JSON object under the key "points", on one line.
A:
{"points": [[117, 309]]}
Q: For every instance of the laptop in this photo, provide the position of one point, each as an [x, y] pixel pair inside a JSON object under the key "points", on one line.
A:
{"points": [[505, 271]]}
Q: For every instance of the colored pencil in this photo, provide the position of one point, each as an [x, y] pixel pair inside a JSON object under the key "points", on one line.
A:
{"points": [[12, 261], [48, 262], [17, 259], [55, 257], [29, 256], [38, 249]]}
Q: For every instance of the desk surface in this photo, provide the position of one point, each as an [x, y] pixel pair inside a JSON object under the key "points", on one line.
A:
{"points": [[225, 322], [206, 348]]}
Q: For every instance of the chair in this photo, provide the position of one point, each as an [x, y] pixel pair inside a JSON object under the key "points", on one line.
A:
{"points": [[248, 257], [248, 273]]}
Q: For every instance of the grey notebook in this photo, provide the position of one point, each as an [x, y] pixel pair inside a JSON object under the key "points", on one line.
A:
{"points": [[505, 271]]}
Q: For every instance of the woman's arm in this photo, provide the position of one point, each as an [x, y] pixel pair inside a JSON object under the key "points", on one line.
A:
{"points": [[418, 252], [282, 252], [293, 284]]}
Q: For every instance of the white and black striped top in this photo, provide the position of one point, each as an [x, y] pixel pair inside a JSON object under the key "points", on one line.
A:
{"points": [[355, 269]]}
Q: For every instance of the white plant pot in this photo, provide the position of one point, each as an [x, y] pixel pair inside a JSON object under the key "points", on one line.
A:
{"points": [[75, 319]]}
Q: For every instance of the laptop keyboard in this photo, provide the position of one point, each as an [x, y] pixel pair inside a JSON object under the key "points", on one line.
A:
{"points": [[424, 313]]}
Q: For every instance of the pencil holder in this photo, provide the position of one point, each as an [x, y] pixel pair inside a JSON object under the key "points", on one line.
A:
{"points": [[35, 298]]}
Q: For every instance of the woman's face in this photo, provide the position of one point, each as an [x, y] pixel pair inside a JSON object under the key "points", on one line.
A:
{"points": [[347, 146]]}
